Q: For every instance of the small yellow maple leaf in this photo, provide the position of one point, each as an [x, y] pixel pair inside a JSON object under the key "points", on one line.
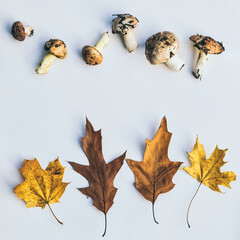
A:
{"points": [[41, 187], [207, 171]]}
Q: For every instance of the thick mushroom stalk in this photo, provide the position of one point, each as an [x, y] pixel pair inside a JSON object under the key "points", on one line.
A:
{"points": [[102, 42], [130, 41], [199, 65], [45, 64], [175, 63], [29, 31]]}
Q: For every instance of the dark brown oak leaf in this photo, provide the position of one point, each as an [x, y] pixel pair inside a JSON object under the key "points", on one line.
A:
{"points": [[154, 174], [99, 174]]}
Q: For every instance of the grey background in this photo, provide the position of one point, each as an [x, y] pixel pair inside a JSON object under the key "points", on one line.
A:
{"points": [[44, 116]]}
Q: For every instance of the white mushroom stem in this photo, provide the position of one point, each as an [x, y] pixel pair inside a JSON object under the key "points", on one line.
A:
{"points": [[175, 63], [130, 41], [199, 65], [28, 30], [102, 42], [45, 64]]}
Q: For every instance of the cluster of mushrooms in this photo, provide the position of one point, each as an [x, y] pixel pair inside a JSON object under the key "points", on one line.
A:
{"points": [[160, 48]]}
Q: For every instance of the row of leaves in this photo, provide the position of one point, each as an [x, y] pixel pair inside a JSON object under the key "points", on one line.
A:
{"points": [[153, 175]]}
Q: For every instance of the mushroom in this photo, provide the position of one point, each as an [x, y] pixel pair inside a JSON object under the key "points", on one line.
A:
{"points": [[124, 25], [19, 31], [56, 49], [162, 48], [205, 45], [92, 55]]}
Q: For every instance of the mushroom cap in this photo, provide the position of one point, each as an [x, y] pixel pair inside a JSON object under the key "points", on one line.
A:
{"points": [[18, 31], [56, 47], [91, 55], [124, 23], [207, 44], [160, 47]]}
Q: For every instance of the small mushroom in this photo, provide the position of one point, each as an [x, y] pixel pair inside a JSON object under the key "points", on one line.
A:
{"points": [[92, 55], [205, 45], [19, 31], [124, 25], [162, 48], [56, 49]]}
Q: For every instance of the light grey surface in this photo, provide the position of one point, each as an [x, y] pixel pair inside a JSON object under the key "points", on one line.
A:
{"points": [[44, 116]]}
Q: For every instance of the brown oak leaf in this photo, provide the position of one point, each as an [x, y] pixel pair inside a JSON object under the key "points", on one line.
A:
{"points": [[99, 174], [154, 174]]}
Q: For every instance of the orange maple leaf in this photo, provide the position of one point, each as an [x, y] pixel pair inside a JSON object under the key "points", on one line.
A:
{"points": [[154, 174]]}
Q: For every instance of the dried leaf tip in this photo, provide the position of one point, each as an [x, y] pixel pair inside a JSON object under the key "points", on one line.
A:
{"points": [[164, 123]]}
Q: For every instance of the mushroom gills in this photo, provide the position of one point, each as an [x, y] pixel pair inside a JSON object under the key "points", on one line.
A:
{"points": [[29, 31], [199, 65], [102, 42], [45, 64], [130, 41], [175, 63]]}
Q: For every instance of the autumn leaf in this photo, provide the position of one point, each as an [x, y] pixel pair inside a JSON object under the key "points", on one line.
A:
{"points": [[99, 174], [207, 171], [154, 174], [41, 187]]}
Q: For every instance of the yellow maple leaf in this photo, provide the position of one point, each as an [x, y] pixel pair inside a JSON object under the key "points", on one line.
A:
{"points": [[207, 171], [41, 187]]}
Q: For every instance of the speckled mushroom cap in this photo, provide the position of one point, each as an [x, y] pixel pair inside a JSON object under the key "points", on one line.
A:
{"points": [[160, 47], [18, 31], [56, 47], [91, 55], [124, 23], [207, 44]]}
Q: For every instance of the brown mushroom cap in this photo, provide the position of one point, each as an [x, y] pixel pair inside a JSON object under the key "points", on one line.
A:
{"points": [[18, 31], [160, 47], [124, 23], [91, 55], [207, 44], [56, 47]]}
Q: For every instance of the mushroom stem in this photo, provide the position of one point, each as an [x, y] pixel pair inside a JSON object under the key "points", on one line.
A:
{"points": [[102, 42], [29, 31], [199, 65], [45, 64], [130, 41], [175, 63]]}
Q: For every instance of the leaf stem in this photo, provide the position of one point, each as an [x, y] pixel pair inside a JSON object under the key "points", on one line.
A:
{"points": [[105, 229], [54, 214], [191, 203], [153, 212]]}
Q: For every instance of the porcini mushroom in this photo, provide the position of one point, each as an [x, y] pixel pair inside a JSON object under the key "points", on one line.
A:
{"points": [[162, 48], [56, 49], [124, 25], [92, 55], [205, 45], [19, 31]]}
